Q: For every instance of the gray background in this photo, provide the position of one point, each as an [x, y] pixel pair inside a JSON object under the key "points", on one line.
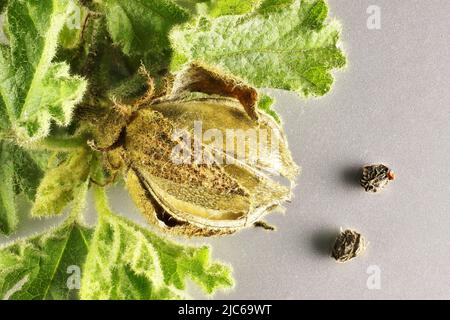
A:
{"points": [[391, 105]]}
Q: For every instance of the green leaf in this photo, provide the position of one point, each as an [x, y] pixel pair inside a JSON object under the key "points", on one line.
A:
{"points": [[193, 6], [274, 5], [219, 8], [20, 172], [292, 48], [47, 266], [61, 184], [142, 26], [117, 42], [3, 4], [216, 8], [96, 58], [265, 104], [126, 261], [8, 216], [34, 90], [28, 167], [72, 31], [43, 267]]}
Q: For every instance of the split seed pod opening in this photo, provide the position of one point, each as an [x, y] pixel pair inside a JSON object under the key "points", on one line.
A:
{"points": [[203, 160]]}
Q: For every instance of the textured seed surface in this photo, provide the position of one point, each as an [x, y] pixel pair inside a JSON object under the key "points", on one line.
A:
{"points": [[349, 244], [375, 177]]}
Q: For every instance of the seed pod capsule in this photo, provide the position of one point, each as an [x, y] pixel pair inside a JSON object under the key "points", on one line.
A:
{"points": [[203, 160]]}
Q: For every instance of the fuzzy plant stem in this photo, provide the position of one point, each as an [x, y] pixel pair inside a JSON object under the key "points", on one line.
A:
{"points": [[76, 213], [62, 143], [101, 201]]}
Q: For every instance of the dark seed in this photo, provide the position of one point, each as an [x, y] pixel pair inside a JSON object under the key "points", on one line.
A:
{"points": [[349, 244], [375, 177]]}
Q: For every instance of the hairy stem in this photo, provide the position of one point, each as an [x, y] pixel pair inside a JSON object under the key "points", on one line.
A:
{"points": [[76, 214], [62, 143], [101, 201]]}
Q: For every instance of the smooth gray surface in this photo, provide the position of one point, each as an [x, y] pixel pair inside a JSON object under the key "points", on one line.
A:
{"points": [[391, 105]]}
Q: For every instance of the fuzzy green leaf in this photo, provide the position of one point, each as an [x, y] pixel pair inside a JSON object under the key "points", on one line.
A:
{"points": [[44, 267], [28, 167], [126, 261], [34, 90], [47, 266], [265, 104], [73, 29], [217, 8], [191, 5], [3, 4], [131, 34], [274, 5], [8, 217], [61, 184], [96, 58], [142, 26], [291, 48], [20, 172]]}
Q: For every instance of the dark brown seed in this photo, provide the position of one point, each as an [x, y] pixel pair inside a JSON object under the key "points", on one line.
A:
{"points": [[349, 244], [375, 177]]}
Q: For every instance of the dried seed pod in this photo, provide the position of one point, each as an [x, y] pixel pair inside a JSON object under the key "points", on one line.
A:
{"points": [[202, 198], [207, 186], [375, 177], [349, 244]]}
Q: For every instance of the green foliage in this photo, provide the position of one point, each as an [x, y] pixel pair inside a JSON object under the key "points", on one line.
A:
{"points": [[192, 6], [39, 268], [47, 266], [96, 58], [29, 169], [265, 104], [120, 260], [34, 90], [73, 28], [140, 29], [217, 8], [293, 49], [8, 217], [119, 37], [19, 173], [61, 53], [128, 262], [61, 184], [3, 4], [141, 26], [274, 5]]}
